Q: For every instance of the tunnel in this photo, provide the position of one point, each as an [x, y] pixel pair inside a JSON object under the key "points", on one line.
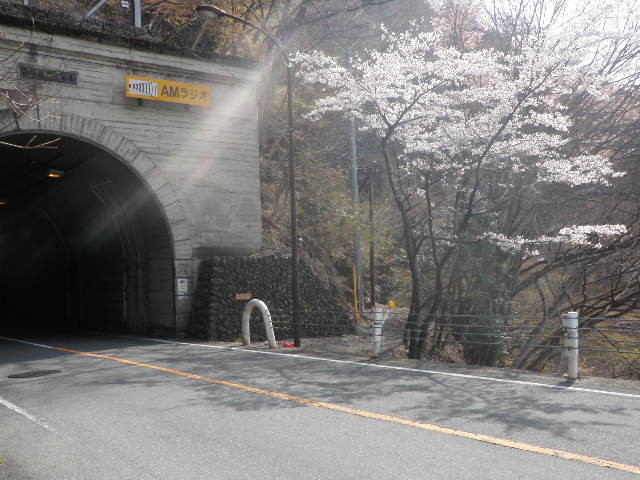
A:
{"points": [[84, 244]]}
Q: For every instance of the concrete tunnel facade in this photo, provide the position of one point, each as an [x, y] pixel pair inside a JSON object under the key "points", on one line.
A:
{"points": [[149, 189]]}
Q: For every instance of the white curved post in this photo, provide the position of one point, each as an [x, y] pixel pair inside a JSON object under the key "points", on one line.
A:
{"points": [[266, 318]]}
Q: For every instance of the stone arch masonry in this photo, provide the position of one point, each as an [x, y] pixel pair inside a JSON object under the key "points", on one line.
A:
{"points": [[128, 153]]}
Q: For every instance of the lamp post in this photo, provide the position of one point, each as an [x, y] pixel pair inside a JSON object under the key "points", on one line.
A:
{"points": [[208, 12]]}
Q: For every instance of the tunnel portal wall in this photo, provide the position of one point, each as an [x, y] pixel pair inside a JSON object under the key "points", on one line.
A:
{"points": [[200, 163]]}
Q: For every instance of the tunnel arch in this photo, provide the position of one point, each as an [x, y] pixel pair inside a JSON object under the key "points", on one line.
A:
{"points": [[115, 143], [148, 301]]}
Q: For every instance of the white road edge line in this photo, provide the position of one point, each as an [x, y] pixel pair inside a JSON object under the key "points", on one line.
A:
{"points": [[24, 413], [23, 341], [391, 367], [370, 365]]}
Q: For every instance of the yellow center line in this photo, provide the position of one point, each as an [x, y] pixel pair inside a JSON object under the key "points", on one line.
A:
{"points": [[527, 447]]}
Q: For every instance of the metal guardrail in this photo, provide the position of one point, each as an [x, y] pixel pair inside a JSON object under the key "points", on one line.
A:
{"points": [[570, 333]]}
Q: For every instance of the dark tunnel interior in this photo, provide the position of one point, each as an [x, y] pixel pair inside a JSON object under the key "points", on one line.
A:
{"points": [[83, 242]]}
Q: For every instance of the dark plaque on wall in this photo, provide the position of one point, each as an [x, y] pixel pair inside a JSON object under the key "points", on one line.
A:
{"points": [[34, 72]]}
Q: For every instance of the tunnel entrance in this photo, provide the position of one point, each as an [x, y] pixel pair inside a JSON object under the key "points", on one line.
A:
{"points": [[83, 242]]}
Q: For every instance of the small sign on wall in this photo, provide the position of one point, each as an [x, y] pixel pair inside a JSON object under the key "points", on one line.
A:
{"points": [[243, 296], [183, 287], [167, 91], [35, 72]]}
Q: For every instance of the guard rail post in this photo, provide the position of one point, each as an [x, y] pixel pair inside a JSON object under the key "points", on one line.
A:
{"points": [[266, 318], [570, 323], [378, 320]]}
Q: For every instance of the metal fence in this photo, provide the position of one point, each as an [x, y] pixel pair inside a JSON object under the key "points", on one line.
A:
{"points": [[515, 336]]}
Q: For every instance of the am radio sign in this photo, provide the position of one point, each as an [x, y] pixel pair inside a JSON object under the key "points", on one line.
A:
{"points": [[167, 91]]}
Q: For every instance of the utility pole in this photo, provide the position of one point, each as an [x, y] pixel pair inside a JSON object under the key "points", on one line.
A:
{"points": [[355, 198], [372, 287], [368, 183]]}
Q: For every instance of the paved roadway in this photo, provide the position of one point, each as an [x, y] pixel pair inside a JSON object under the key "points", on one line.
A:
{"points": [[100, 418]]}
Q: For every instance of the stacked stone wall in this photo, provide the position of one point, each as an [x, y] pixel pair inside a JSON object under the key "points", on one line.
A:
{"points": [[217, 314]]}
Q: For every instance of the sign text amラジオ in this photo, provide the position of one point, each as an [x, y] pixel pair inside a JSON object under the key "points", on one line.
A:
{"points": [[167, 91]]}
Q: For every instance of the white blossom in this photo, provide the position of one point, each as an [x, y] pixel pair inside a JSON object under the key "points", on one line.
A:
{"points": [[438, 103], [451, 113], [576, 236]]}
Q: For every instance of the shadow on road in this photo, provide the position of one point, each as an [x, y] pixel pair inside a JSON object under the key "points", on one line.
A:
{"points": [[464, 403]]}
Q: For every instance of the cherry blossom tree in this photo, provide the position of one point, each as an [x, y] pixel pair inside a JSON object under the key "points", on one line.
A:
{"points": [[481, 154]]}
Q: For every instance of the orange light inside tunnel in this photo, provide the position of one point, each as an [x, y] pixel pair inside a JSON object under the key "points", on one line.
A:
{"points": [[55, 173], [4, 202]]}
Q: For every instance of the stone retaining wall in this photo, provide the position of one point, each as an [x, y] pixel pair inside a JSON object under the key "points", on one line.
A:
{"points": [[217, 314]]}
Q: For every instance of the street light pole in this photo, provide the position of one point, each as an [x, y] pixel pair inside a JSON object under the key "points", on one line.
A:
{"points": [[295, 286], [207, 12]]}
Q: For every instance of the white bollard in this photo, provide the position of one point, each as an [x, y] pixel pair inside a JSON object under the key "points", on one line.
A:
{"points": [[378, 321], [266, 318], [570, 323]]}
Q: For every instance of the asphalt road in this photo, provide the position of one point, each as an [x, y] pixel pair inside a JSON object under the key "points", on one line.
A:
{"points": [[101, 418]]}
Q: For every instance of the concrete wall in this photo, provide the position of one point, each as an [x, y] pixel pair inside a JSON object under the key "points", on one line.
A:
{"points": [[200, 162]]}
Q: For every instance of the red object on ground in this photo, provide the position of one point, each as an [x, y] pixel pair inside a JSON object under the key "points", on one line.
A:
{"points": [[288, 345]]}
